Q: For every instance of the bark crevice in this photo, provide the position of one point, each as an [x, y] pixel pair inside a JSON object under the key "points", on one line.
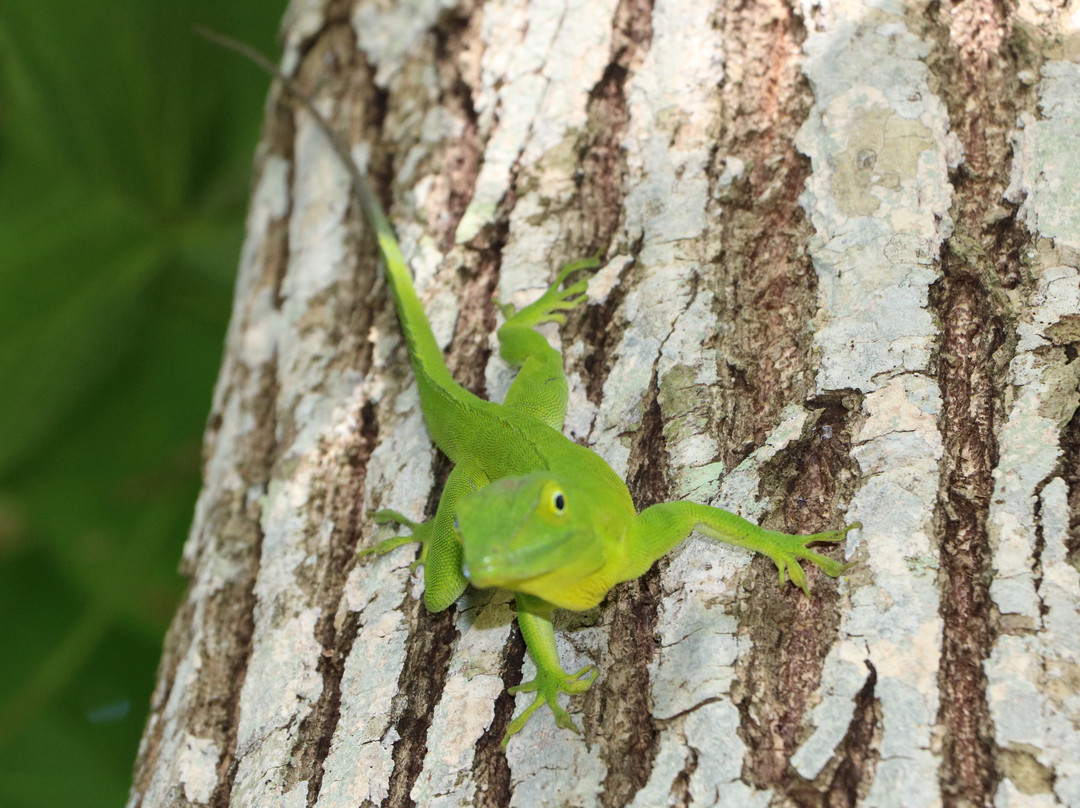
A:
{"points": [[974, 66], [859, 752], [625, 724], [427, 662], [455, 39], [490, 767], [602, 180], [225, 670], [791, 634], [1071, 467], [765, 283], [336, 632]]}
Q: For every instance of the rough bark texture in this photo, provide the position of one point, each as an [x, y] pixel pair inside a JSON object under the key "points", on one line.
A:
{"points": [[842, 281]]}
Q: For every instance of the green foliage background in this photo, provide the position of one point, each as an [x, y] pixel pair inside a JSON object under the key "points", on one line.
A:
{"points": [[126, 145]]}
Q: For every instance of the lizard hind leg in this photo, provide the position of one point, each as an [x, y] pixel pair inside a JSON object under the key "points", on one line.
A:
{"points": [[549, 306], [540, 387]]}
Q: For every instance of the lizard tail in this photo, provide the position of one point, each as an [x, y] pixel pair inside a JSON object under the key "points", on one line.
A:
{"points": [[449, 409]]}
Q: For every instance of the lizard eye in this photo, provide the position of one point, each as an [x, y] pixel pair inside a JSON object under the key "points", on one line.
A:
{"points": [[558, 501]]}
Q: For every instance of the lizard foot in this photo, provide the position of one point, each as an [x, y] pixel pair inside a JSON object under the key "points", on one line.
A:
{"points": [[549, 307], [547, 687], [786, 550], [421, 532]]}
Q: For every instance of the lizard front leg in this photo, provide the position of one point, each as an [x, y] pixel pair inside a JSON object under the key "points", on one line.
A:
{"points": [[440, 546], [534, 619], [660, 528]]}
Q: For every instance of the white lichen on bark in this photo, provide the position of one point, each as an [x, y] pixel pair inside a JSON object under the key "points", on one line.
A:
{"points": [[668, 155], [467, 706], [248, 345], [360, 760], [539, 63], [879, 201], [283, 682], [1035, 709]]}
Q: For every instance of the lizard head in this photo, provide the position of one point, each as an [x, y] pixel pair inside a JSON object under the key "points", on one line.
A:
{"points": [[533, 534]]}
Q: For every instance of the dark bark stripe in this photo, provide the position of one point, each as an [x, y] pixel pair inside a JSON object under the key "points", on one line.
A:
{"points": [[977, 70]]}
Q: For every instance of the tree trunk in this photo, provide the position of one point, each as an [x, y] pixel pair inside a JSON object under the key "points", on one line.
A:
{"points": [[841, 282]]}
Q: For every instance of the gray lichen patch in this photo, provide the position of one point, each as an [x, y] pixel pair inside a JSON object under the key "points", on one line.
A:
{"points": [[1041, 180], [879, 200], [1035, 587], [883, 149]]}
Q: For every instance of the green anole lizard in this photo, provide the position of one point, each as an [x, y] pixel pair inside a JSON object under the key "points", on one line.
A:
{"points": [[525, 508]]}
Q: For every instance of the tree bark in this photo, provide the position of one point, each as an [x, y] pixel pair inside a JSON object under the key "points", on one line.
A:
{"points": [[841, 282]]}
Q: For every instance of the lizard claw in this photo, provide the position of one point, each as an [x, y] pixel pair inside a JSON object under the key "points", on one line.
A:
{"points": [[547, 688], [790, 548], [548, 308]]}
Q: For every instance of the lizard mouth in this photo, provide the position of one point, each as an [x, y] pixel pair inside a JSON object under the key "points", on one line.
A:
{"points": [[507, 569]]}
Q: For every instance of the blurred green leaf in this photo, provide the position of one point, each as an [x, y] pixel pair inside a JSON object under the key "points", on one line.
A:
{"points": [[126, 145]]}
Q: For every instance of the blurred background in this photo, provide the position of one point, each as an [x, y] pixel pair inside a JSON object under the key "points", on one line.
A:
{"points": [[126, 146]]}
